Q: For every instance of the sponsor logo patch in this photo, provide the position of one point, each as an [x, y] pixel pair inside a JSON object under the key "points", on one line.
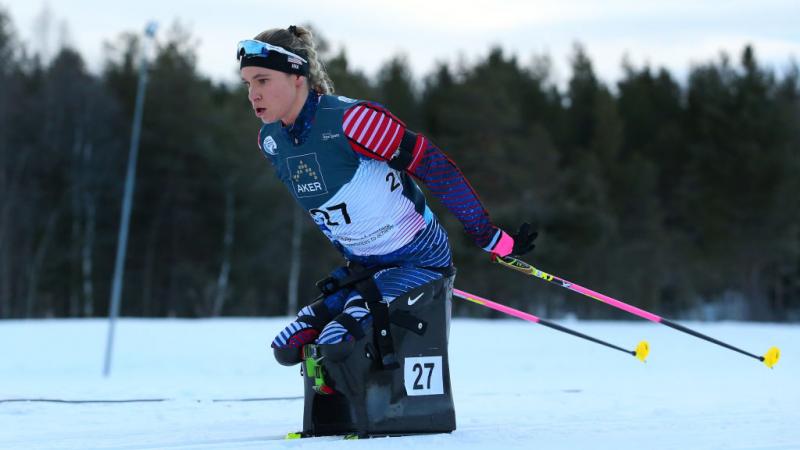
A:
{"points": [[269, 145], [306, 175], [414, 300]]}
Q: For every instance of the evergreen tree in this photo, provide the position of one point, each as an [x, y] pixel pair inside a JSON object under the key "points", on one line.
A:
{"points": [[395, 90], [679, 199]]}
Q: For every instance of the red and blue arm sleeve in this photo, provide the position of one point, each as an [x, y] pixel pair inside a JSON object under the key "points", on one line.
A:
{"points": [[376, 133]]}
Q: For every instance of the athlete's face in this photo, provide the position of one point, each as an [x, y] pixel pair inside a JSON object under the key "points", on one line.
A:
{"points": [[274, 95]]}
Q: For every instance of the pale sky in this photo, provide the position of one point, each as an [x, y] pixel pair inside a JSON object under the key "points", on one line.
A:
{"points": [[674, 34]]}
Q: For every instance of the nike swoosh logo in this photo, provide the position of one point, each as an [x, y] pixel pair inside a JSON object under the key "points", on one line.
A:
{"points": [[411, 302]]}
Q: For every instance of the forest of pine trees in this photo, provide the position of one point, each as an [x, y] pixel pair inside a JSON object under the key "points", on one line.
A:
{"points": [[677, 195]]}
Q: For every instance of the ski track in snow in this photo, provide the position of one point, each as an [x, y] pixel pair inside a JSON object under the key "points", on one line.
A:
{"points": [[516, 385]]}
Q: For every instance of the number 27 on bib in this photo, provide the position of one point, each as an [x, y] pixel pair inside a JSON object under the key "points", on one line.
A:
{"points": [[423, 376]]}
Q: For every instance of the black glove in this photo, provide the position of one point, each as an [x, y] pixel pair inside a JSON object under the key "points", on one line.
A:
{"points": [[523, 239]]}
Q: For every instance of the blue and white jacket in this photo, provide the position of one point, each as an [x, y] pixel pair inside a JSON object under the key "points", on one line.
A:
{"points": [[333, 160]]}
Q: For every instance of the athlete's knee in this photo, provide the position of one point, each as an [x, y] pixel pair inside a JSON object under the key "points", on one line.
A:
{"points": [[304, 330], [294, 335], [288, 344]]}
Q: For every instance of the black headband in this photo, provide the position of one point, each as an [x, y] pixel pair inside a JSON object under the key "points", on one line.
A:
{"points": [[276, 61]]}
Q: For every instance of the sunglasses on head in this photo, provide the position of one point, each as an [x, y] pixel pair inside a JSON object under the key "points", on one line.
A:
{"points": [[252, 47]]}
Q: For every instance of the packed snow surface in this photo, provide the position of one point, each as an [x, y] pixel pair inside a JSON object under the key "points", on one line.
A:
{"points": [[515, 384]]}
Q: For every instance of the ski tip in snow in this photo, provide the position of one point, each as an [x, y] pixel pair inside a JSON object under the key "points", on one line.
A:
{"points": [[642, 350], [346, 437], [771, 357]]}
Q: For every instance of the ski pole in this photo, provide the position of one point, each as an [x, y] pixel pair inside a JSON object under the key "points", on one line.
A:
{"points": [[640, 353], [769, 359]]}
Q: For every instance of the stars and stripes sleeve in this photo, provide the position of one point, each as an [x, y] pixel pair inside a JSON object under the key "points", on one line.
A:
{"points": [[373, 131], [376, 133]]}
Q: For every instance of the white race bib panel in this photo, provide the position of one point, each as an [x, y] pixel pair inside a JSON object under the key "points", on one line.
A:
{"points": [[423, 376], [370, 215]]}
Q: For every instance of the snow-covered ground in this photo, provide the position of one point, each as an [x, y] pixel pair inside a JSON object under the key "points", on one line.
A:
{"points": [[516, 385]]}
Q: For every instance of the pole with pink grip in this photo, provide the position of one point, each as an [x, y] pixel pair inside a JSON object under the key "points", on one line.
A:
{"points": [[769, 359]]}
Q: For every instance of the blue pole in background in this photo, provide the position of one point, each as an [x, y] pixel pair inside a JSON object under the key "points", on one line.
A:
{"points": [[127, 199]]}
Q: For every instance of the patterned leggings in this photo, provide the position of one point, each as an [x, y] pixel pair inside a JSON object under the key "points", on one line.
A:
{"points": [[392, 283], [430, 248]]}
